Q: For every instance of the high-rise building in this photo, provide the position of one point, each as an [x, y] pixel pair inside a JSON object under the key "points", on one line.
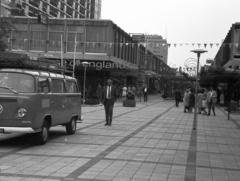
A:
{"points": [[80, 9], [157, 45], [5, 7]]}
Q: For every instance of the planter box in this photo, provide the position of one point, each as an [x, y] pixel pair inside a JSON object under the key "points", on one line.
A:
{"points": [[129, 103], [233, 106]]}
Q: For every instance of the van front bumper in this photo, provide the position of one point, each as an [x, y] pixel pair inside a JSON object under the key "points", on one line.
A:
{"points": [[17, 130]]}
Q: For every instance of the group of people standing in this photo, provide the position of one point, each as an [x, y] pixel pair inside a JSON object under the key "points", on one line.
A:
{"points": [[205, 101]]}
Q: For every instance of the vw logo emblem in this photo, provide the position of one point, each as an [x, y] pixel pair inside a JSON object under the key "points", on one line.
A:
{"points": [[1, 109]]}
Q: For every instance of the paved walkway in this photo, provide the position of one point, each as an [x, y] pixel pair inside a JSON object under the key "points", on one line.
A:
{"points": [[152, 141]]}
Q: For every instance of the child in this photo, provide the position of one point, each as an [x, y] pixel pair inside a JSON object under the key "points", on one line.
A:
{"points": [[204, 106]]}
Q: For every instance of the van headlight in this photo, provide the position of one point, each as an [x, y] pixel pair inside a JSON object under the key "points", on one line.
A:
{"points": [[21, 112]]}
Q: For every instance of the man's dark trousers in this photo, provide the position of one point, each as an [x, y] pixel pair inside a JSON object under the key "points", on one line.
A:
{"points": [[108, 106], [145, 96], [177, 102]]}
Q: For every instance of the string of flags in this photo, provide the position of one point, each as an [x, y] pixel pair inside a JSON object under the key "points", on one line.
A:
{"points": [[110, 44]]}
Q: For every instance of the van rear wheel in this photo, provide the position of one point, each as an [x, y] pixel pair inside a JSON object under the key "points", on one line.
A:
{"points": [[71, 126], [43, 135]]}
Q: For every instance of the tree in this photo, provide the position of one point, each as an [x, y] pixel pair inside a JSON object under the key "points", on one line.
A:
{"points": [[5, 29]]}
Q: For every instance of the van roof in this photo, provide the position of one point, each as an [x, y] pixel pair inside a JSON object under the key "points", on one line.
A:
{"points": [[36, 73]]}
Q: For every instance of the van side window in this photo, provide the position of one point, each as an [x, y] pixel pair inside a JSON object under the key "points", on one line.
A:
{"points": [[57, 86], [43, 85], [71, 86]]}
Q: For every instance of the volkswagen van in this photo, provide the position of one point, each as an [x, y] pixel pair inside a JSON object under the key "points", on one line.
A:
{"points": [[32, 101]]}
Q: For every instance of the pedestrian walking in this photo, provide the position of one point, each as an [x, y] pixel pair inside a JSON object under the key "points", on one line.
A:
{"points": [[191, 100], [139, 92], [124, 92], [186, 100], [133, 91], [108, 98], [145, 93], [99, 91], [211, 100], [199, 100], [178, 95], [222, 98], [204, 106]]}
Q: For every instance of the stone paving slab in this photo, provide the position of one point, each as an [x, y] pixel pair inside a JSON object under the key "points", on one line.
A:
{"points": [[152, 141]]}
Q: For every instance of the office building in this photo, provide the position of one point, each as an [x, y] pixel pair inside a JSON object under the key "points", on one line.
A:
{"points": [[80, 9], [158, 46], [5, 8]]}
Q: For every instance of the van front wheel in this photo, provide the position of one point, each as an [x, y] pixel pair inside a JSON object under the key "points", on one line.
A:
{"points": [[71, 127], [42, 136]]}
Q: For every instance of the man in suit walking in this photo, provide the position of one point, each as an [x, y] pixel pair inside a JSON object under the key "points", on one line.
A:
{"points": [[145, 93], [108, 98], [211, 100]]}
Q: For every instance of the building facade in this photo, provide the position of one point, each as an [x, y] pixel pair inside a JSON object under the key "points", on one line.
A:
{"points": [[224, 71], [80, 9], [158, 46], [228, 54], [5, 8], [110, 51]]}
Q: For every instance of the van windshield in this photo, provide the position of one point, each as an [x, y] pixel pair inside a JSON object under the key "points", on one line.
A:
{"points": [[17, 81]]}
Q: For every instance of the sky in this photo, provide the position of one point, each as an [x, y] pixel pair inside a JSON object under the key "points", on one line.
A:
{"points": [[185, 24]]}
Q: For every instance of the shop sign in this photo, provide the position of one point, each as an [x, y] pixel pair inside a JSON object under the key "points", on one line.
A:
{"points": [[98, 65]]}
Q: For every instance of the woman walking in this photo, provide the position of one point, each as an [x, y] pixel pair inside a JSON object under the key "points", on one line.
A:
{"points": [[199, 101], [186, 100], [191, 100]]}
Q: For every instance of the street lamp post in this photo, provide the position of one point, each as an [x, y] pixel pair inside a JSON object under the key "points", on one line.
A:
{"points": [[85, 64], [198, 52]]}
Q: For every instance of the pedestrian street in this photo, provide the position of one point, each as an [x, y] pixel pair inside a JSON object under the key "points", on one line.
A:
{"points": [[153, 141]]}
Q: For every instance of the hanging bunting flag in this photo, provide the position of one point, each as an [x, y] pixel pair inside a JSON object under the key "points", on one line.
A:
{"points": [[217, 44], [87, 44], [186, 44], [236, 45], [193, 44], [205, 45], [180, 44], [169, 45], [175, 45], [199, 44], [110, 45], [211, 45]]}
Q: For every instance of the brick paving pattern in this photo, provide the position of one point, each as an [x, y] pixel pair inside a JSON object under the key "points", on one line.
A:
{"points": [[153, 141]]}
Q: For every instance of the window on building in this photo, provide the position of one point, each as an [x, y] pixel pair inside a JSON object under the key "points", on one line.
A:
{"points": [[20, 37], [56, 37], [38, 37]]}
